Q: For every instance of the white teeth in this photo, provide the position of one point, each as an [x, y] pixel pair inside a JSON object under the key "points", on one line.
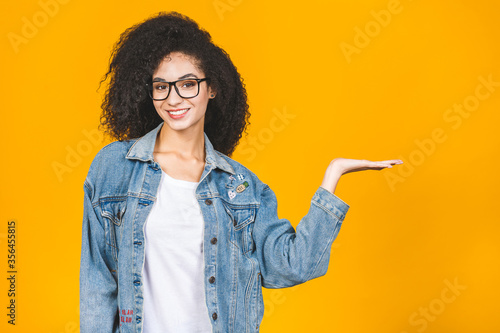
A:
{"points": [[176, 113]]}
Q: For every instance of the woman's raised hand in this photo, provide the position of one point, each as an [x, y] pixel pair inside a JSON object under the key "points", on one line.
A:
{"points": [[340, 166]]}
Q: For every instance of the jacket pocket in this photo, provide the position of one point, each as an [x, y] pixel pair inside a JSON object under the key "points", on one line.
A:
{"points": [[113, 211], [241, 219]]}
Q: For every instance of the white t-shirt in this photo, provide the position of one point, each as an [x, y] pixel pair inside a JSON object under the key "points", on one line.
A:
{"points": [[173, 276]]}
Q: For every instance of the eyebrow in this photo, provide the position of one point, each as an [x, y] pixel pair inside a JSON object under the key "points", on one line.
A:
{"points": [[185, 76]]}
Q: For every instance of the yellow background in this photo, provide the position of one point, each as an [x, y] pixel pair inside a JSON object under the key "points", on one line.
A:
{"points": [[411, 230]]}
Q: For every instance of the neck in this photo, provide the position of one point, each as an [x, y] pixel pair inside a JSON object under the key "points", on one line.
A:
{"points": [[188, 144]]}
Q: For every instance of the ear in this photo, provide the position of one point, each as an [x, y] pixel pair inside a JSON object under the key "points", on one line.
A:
{"points": [[211, 93]]}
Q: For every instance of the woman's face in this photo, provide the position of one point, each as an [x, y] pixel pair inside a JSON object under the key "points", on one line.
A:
{"points": [[179, 113]]}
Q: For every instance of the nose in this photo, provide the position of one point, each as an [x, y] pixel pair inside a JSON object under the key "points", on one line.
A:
{"points": [[173, 97]]}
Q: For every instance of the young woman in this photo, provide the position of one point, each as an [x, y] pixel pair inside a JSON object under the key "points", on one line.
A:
{"points": [[177, 236]]}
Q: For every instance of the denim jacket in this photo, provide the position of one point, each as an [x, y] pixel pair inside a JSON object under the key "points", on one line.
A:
{"points": [[246, 246]]}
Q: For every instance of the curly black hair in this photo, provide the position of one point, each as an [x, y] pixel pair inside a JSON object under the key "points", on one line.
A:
{"points": [[128, 111]]}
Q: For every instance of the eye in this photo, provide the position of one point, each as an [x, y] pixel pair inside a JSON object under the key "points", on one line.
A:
{"points": [[160, 86], [188, 84]]}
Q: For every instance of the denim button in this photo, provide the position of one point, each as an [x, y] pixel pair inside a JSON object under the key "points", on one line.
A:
{"points": [[208, 202], [138, 319], [137, 282], [138, 243], [213, 240], [211, 279], [214, 315]]}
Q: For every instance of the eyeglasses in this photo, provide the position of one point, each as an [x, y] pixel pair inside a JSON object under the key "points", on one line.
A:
{"points": [[159, 90]]}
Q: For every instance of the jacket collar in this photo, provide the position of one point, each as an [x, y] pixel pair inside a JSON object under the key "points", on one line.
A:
{"points": [[143, 148]]}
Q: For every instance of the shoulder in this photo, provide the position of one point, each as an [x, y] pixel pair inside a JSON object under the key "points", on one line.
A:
{"points": [[237, 166], [111, 156], [116, 149]]}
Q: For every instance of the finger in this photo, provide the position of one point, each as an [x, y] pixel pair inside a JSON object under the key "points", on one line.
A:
{"points": [[390, 162], [381, 164]]}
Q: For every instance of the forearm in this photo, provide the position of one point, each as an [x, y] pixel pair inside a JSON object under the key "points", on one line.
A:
{"points": [[98, 287], [290, 257]]}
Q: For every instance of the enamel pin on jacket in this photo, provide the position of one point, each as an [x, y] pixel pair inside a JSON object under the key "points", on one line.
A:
{"points": [[246, 246]]}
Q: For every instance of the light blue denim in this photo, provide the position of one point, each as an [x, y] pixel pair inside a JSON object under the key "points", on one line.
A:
{"points": [[246, 246]]}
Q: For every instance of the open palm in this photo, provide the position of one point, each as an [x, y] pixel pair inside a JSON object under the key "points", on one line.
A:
{"points": [[346, 165], [340, 166]]}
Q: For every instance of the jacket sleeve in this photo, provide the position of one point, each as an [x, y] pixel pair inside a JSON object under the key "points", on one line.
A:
{"points": [[288, 257], [98, 287]]}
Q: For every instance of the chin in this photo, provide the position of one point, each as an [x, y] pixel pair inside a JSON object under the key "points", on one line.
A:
{"points": [[176, 125]]}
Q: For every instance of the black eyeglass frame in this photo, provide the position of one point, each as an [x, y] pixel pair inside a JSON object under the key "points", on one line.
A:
{"points": [[150, 88]]}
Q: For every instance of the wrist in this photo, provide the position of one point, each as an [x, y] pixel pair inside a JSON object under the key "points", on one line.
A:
{"points": [[331, 179]]}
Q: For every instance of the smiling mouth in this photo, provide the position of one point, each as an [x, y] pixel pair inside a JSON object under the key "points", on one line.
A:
{"points": [[178, 111]]}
